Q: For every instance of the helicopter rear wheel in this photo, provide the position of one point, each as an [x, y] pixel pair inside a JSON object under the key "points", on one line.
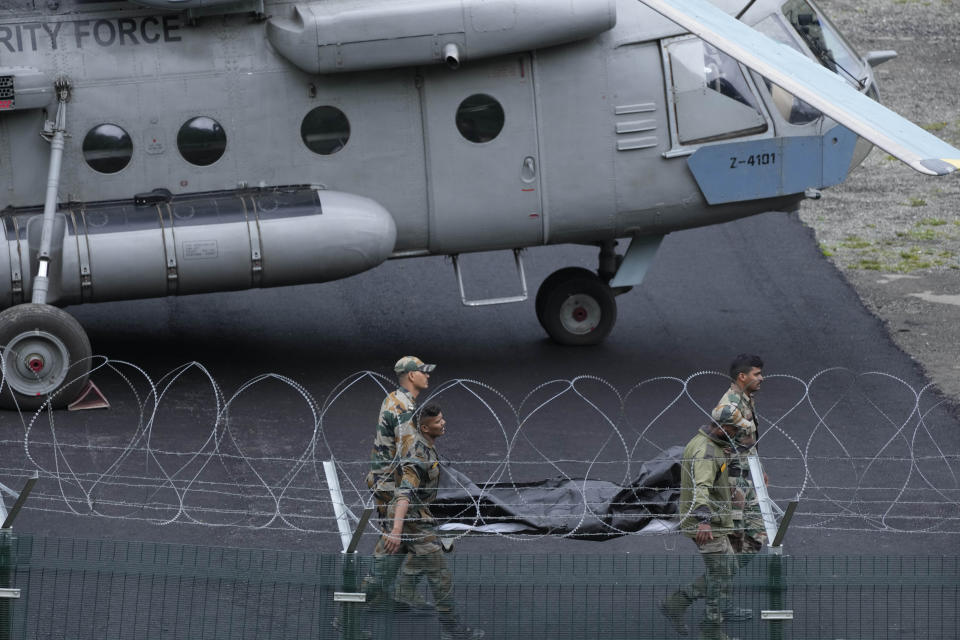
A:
{"points": [[45, 352], [579, 310]]}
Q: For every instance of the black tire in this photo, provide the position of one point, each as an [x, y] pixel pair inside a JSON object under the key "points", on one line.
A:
{"points": [[551, 282], [580, 311], [45, 352]]}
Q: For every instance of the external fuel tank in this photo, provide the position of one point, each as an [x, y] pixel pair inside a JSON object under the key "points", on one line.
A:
{"points": [[161, 245]]}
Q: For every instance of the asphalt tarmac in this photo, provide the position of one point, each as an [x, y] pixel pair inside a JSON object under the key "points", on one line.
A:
{"points": [[757, 285]]}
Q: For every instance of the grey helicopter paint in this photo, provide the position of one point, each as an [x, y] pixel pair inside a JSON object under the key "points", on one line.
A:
{"points": [[207, 145]]}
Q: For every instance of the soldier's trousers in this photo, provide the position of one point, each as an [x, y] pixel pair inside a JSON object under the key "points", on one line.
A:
{"points": [[380, 582], [715, 585], [433, 565], [748, 522], [420, 546]]}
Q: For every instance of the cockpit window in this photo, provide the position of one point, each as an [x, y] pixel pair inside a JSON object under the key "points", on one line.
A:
{"points": [[711, 97], [824, 41], [793, 109]]}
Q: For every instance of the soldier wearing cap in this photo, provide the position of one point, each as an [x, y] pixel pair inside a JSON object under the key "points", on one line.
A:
{"points": [[394, 437], [705, 509]]}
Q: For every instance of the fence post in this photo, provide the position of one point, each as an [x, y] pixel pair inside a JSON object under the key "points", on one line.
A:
{"points": [[6, 575], [348, 610], [350, 596], [7, 539], [776, 614], [775, 584]]}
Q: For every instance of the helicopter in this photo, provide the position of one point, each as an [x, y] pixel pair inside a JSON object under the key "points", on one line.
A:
{"points": [[171, 147]]}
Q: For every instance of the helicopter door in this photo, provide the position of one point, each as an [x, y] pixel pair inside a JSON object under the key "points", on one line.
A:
{"points": [[483, 164]]}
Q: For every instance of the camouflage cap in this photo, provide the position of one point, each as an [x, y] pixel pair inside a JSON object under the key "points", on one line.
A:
{"points": [[406, 364]]}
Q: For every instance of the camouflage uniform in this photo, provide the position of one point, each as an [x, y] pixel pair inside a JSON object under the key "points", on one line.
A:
{"points": [[419, 481], [736, 407], [705, 497], [395, 436]]}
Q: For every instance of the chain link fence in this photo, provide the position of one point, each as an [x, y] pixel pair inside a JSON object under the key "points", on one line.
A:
{"points": [[78, 589]]}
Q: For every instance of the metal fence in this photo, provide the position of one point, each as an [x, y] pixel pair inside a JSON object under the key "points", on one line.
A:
{"points": [[78, 589]]}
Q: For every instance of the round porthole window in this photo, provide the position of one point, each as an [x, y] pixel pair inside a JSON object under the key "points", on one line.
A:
{"points": [[201, 141], [107, 148], [325, 130], [480, 118]]}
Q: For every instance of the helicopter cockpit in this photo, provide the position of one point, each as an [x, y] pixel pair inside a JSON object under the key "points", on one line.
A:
{"points": [[713, 97]]}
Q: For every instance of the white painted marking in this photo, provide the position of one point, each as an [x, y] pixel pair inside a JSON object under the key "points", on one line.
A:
{"points": [[890, 277], [929, 296]]}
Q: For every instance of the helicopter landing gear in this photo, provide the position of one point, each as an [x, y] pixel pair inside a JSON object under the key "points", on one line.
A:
{"points": [[576, 307], [45, 352]]}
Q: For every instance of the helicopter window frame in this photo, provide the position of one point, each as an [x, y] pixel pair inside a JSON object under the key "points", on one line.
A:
{"points": [[476, 130], [792, 110], [336, 140], [184, 156], [85, 151], [830, 34], [680, 148]]}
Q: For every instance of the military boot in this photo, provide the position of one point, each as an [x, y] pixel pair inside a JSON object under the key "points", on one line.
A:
{"points": [[673, 609], [459, 632], [713, 631], [451, 629]]}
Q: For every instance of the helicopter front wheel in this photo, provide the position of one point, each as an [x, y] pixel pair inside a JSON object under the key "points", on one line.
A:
{"points": [[576, 307], [45, 352]]}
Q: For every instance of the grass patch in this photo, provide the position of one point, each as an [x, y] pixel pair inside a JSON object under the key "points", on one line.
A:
{"points": [[855, 242], [935, 126], [917, 202], [869, 264], [925, 230], [913, 259], [924, 235], [826, 251]]}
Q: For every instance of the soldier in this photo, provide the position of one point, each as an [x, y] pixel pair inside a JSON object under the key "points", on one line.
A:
{"points": [[414, 531], [737, 407], [395, 435], [705, 509]]}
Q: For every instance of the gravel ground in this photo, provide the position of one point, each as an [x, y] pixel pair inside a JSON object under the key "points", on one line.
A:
{"points": [[894, 233]]}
